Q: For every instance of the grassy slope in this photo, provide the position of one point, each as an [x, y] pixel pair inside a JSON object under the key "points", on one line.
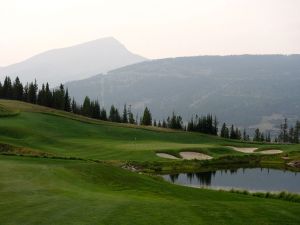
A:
{"points": [[49, 191], [44, 191], [41, 129]]}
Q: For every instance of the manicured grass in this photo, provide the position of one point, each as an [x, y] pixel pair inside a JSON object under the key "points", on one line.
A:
{"points": [[47, 191], [65, 191], [66, 134]]}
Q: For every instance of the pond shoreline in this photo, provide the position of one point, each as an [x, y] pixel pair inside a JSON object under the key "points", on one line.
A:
{"points": [[226, 162]]}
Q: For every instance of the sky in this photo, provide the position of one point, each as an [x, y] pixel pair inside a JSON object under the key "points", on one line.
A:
{"points": [[151, 28]]}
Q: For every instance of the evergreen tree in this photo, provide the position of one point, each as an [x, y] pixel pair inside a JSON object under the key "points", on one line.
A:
{"points": [[262, 137], [238, 134], [41, 99], [95, 110], [175, 122], [244, 135], [1, 90], [32, 92], [48, 96], [257, 135], [268, 137], [125, 116], [296, 132], [159, 124], [130, 116], [86, 107], [7, 90], [74, 107], [17, 89], [147, 118], [285, 131], [25, 94], [224, 131], [103, 115], [67, 102], [114, 115], [164, 124], [232, 133]]}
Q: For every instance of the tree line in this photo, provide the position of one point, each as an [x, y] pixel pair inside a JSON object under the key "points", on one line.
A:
{"points": [[59, 98], [289, 134]]}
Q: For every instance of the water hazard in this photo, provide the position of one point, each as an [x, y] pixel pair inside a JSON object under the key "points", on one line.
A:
{"points": [[252, 179]]}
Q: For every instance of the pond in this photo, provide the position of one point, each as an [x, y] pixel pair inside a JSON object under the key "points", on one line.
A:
{"points": [[252, 179]]}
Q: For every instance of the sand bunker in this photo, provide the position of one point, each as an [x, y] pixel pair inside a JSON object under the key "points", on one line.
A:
{"points": [[244, 150], [166, 156], [252, 150], [271, 151], [194, 155]]}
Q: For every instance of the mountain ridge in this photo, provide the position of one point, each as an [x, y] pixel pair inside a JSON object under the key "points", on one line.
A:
{"points": [[246, 90]]}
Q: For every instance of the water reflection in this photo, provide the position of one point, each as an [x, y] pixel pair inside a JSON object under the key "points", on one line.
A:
{"points": [[242, 178]]}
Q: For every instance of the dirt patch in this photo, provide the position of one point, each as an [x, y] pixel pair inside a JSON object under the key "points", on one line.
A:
{"points": [[12, 150], [270, 152], [194, 155], [166, 156]]}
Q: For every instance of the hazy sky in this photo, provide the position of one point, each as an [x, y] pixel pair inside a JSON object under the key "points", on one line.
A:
{"points": [[152, 28]]}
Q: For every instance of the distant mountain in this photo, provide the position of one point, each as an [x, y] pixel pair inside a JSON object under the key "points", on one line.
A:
{"points": [[73, 63], [247, 90]]}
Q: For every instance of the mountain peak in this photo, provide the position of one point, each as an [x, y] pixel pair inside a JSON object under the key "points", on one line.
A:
{"points": [[74, 62]]}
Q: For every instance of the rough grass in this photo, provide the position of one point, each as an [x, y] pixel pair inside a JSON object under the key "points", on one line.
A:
{"points": [[6, 112]]}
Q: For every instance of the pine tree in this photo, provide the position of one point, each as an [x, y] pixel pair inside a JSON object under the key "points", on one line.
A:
{"points": [[103, 115], [232, 133], [41, 98], [215, 126], [48, 96], [86, 107], [125, 115], [32, 92], [257, 135], [17, 89], [244, 135], [224, 131], [164, 124], [285, 132], [147, 118], [1, 90], [268, 137], [296, 132], [159, 124], [25, 94], [67, 102], [262, 137], [74, 107], [114, 115], [7, 90], [95, 108]]}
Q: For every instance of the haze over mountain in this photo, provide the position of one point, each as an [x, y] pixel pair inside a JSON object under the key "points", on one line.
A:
{"points": [[247, 90], [72, 63]]}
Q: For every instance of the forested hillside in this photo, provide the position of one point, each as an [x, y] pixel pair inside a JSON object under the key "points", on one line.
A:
{"points": [[247, 90]]}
